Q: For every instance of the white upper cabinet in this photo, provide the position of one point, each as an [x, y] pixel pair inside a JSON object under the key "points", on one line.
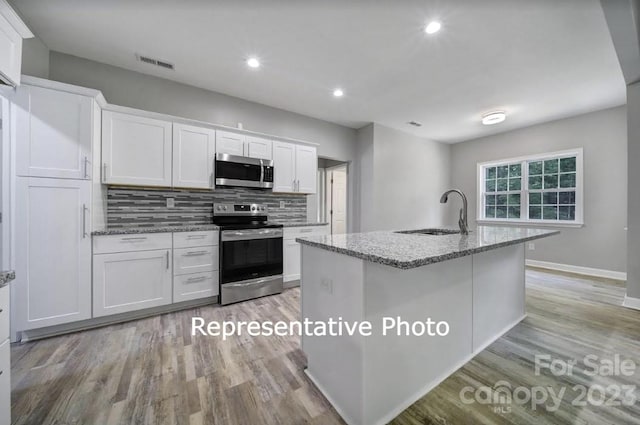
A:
{"points": [[257, 147], [230, 143], [136, 150], [295, 168], [306, 168], [284, 167], [11, 45], [53, 252], [53, 133], [193, 156]]}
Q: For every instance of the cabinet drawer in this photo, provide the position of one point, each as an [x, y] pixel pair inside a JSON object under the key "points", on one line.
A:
{"points": [[4, 313], [5, 383], [193, 260], [296, 232], [133, 242], [194, 286], [189, 239]]}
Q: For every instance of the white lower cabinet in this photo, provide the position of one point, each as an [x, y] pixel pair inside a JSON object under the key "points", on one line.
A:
{"points": [[5, 383], [195, 265], [4, 313], [291, 248], [129, 281], [53, 252]]}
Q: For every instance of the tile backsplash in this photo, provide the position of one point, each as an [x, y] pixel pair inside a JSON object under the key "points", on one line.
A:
{"points": [[127, 207]]}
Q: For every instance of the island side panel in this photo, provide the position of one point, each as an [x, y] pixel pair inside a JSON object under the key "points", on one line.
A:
{"points": [[398, 370], [498, 293], [331, 285]]}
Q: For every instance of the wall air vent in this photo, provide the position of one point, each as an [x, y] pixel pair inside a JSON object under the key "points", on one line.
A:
{"points": [[415, 123], [156, 62]]}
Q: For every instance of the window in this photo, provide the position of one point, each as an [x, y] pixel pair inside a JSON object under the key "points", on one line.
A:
{"points": [[535, 189]]}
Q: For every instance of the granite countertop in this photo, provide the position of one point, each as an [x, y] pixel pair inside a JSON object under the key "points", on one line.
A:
{"points": [[407, 251], [158, 229], [184, 228], [299, 224], [6, 278]]}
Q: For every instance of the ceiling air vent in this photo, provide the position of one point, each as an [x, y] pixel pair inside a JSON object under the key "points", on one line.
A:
{"points": [[156, 62], [415, 123]]}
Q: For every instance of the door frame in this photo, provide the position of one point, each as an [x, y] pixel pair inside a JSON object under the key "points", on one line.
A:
{"points": [[328, 204], [6, 183]]}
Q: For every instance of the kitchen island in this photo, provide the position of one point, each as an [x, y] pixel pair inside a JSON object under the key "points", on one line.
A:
{"points": [[474, 284]]}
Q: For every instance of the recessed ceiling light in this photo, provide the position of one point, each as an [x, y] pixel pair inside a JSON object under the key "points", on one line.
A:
{"points": [[253, 63], [494, 117], [433, 27], [338, 93]]}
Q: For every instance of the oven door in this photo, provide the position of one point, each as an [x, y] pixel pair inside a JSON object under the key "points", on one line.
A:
{"points": [[250, 254], [232, 170]]}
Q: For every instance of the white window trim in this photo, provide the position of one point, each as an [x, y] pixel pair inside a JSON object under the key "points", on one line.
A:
{"points": [[579, 215]]}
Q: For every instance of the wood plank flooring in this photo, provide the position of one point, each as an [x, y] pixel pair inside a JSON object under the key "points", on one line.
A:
{"points": [[152, 371]]}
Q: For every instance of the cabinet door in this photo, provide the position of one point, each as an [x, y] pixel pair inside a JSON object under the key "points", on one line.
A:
{"points": [[257, 147], [5, 383], [53, 252], [284, 167], [306, 169], [194, 150], [53, 133], [230, 143], [130, 281], [195, 286], [291, 264], [10, 52], [135, 150]]}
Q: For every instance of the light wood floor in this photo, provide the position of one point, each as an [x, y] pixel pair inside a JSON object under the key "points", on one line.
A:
{"points": [[152, 371]]}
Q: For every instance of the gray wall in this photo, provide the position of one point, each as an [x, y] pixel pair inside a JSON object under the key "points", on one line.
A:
{"points": [[633, 193], [128, 88], [601, 243], [402, 177], [35, 58]]}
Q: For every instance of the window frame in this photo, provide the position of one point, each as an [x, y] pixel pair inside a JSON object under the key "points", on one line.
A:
{"points": [[524, 190]]}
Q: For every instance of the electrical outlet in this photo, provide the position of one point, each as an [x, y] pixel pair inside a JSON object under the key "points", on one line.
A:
{"points": [[171, 202], [282, 204], [327, 285], [532, 246]]}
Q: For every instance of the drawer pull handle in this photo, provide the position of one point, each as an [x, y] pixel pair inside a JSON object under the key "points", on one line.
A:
{"points": [[196, 279], [306, 230], [194, 253], [196, 236], [134, 239]]}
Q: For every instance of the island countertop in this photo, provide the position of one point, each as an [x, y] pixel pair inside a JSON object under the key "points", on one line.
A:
{"points": [[407, 251]]}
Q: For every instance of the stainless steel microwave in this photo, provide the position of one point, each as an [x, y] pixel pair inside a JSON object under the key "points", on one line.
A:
{"points": [[233, 170]]}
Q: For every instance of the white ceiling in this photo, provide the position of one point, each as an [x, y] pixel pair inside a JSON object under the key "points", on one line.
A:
{"points": [[537, 60]]}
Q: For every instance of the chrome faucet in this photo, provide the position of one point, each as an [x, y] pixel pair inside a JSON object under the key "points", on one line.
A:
{"points": [[462, 220]]}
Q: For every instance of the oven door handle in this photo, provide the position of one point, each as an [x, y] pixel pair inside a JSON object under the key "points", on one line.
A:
{"points": [[230, 235]]}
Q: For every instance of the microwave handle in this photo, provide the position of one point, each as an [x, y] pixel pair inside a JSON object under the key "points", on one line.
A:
{"points": [[261, 171]]}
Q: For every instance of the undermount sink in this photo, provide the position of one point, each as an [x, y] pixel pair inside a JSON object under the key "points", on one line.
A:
{"points": [[432, 232]]}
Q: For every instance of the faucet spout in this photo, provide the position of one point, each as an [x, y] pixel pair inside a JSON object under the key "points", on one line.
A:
{"points": [[462, 220]]}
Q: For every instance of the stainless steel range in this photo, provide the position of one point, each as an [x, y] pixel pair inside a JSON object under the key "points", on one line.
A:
{"points": [[250, 252]]}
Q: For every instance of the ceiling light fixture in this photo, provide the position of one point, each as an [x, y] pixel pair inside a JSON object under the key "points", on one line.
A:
{"points": [[494, 117], [433, 27], [253, 63], [338, 93]]}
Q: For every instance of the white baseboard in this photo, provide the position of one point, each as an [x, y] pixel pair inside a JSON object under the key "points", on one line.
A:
{"points": [[608, 274], [631, 302]]}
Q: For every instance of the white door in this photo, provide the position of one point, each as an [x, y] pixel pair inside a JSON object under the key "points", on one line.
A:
{"points": [[53, 133], [257, 147], [291, 263], [306, 169], [53, 252], [230, 143], [337, 199], [135, 150], [194, 151], [5, 265], [284, 167], [130, 281]]}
